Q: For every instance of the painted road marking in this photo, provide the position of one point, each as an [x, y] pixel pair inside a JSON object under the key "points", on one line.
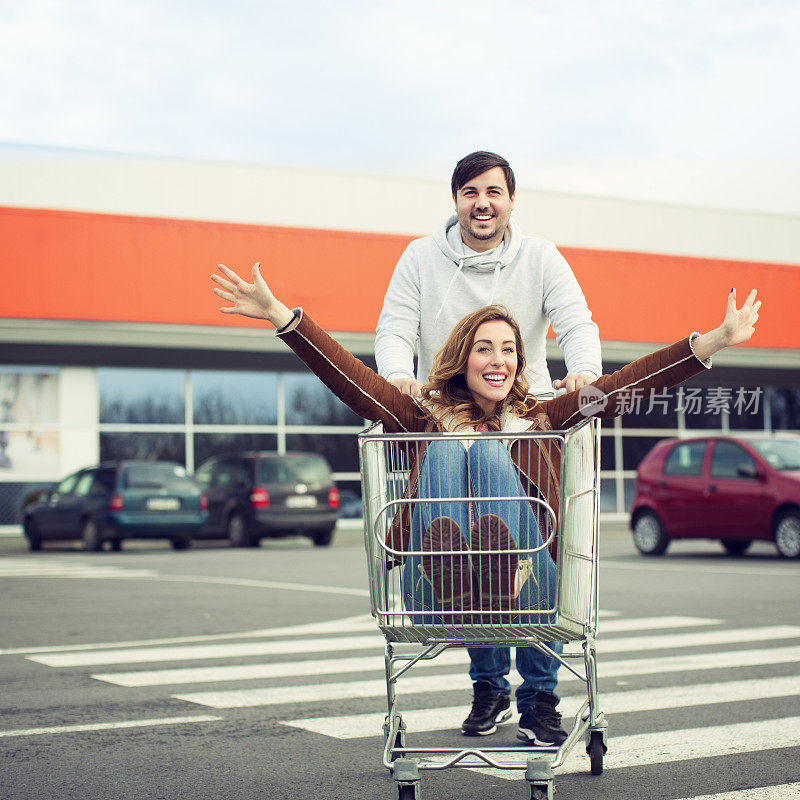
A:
{"points": [[359, 726], [360, 622], [664, 747], [612, 645], [109, 726], [422, 684], [454, 657], [25, 568], [786, 791]]}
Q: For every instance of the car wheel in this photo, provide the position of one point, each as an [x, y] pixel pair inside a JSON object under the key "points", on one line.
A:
{"points": [[736, 547], [238, 535], [787, 534], [90, 536], [32, 535], [648, 535], [181, 542], [322, 538]]}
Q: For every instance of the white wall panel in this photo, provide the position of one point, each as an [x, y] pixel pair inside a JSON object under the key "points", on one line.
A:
{"points": [[42, 178]]}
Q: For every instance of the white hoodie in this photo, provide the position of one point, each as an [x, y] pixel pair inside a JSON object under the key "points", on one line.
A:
{"points": [[438, 281]]}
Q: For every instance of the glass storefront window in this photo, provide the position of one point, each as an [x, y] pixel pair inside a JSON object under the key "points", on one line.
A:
{"points": [[702, 407], [607, 452], [341, 450], [657, 410], [635, 448], [215, 444], [143, 447], [141, 395], [785, 409], [235, 398], [309, 402]]}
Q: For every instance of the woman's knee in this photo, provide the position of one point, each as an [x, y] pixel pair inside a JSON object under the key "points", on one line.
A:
{"points": [[489, 453], [444, 453]]}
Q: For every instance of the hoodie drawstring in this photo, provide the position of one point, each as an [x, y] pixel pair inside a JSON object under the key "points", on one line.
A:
{"points": [[457, 272], [449, 286], [494, 283]]}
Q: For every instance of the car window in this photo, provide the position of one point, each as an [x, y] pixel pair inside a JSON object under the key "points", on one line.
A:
{"points": [[781, 454], [230, 474], [84, 484], [68, 484], [104, 480], [203, 474], [728, 459], [156, 476], [294, 469], [686, 459]]}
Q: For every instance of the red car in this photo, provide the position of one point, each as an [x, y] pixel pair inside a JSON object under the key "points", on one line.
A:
{"points": [[729, 488]]}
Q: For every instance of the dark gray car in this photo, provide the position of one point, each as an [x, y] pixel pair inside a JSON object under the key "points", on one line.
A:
{"points": [[264, 494]]}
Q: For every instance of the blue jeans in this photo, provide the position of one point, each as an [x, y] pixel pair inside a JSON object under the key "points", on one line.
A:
{"points": [[485, 470]]}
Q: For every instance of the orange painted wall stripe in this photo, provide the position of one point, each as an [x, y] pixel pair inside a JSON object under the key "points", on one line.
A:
{"points": [[70, 265]]}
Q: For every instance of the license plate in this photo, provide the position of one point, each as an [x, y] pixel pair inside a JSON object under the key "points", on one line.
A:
{"points": [[301, 501], [163, 504]]}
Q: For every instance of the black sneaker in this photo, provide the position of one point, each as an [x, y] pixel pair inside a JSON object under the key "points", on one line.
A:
{"points": [[487, 710], [541, 724]]}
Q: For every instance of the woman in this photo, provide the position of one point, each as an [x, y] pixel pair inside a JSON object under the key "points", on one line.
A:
{"points": [[476, 385]]}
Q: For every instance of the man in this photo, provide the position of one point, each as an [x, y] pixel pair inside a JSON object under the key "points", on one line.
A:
{"points": [[476, 258]]}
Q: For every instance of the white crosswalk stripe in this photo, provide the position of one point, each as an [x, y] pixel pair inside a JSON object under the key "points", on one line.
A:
{"points": [[375, 664], [194, 652], [357, 726], [27, 568], [641, 749], [786, 791]]}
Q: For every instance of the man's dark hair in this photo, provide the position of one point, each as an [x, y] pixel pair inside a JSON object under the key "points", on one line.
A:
{"points": [[476, 164]]}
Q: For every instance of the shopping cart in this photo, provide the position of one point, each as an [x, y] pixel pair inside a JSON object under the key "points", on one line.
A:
{"points": [[559, 608]]}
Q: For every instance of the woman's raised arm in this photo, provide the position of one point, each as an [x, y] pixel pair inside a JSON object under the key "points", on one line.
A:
{"points": [[250, 299], [354, 383]]}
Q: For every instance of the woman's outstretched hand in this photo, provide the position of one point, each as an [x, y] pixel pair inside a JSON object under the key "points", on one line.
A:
{"points": [[737, 327], [250, 299]]}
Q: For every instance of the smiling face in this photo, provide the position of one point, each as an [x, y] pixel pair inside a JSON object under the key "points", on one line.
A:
{"points": [[484, 207], [492, 364]]}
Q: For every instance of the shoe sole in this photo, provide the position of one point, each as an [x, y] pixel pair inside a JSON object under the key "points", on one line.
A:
{"points": [[496, 572], [505, 715], [529, 737], [450, 576]]}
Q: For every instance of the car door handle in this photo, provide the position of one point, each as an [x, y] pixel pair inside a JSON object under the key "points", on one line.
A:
{"points": [[662, 484], [709, 490]]}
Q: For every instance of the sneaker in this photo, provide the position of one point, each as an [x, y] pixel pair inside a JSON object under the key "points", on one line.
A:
{"points": [[487, 710], [496, 572], [541, 724], [449, 575]]}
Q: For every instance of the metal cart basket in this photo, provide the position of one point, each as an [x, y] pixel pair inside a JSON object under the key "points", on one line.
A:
{"points": [[525, 606]]}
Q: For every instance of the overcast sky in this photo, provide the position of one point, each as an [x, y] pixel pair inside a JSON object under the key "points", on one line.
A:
{"points": [[689, 102]]}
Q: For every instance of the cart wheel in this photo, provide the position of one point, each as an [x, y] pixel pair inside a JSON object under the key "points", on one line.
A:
{"points": [[596, 749], [541, 791], [407, 791]]}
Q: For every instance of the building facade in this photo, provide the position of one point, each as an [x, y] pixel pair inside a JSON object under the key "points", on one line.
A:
{"points": [[112, 345]]}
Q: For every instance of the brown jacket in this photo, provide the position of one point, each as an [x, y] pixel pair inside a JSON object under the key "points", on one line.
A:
{"points": [[372, 397]]}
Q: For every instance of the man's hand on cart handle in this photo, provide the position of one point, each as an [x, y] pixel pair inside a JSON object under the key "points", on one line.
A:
{"points": [[250, 299], [575, 380], [737, 327], [408, 386]]}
